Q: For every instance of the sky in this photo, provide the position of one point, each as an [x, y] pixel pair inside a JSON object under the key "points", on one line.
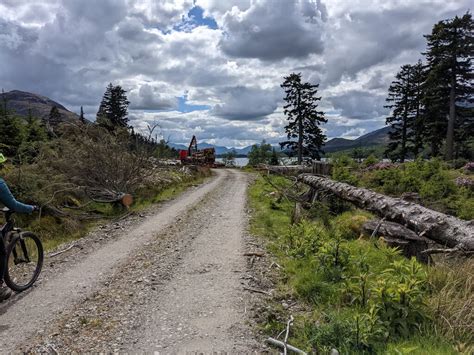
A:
{"points": [[213, 68]]}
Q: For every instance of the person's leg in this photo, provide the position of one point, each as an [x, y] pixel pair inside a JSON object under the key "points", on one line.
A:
{"points": [[5, 292]]}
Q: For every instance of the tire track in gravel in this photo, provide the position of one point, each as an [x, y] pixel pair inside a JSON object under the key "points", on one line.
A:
{"points": [[33, 312], [181, 292]]}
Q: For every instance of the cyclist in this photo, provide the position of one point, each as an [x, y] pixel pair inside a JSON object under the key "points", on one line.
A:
{"points": [[7, 199]]}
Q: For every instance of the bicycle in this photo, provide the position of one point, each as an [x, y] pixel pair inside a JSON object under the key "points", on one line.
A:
{"points": [[21, 255]]}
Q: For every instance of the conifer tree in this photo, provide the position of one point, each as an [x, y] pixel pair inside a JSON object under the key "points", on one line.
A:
{"points": [[113, 109], [10, 130], [81, 116], [404, 100], [416, 138], [54, 116], [304, 118], [449, 85]]}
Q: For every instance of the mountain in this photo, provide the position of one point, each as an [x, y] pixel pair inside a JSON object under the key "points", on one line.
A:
{"points": [[377, 137], [22, 102]]}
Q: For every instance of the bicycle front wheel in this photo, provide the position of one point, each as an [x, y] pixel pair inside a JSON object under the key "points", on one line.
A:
{"points": [[24, 261]]}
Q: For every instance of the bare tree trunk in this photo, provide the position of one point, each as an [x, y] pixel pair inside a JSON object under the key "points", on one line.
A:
{"points": [[439, 227], [300, 131], [451, 119]]}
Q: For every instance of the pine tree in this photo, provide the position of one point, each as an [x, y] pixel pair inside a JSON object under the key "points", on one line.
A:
{"points": [[449, 86], [417, 109], [11, 133], [81, 116], [54, 117], [404, 98], [260, 153], [303, 116], [113, 109], [274, 158]]}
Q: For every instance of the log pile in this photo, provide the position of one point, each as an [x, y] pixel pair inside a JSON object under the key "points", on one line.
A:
{"points": [[441, 228]]}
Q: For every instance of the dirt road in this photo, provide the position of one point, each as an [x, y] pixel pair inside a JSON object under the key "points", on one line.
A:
{"points": [[172, 281]]}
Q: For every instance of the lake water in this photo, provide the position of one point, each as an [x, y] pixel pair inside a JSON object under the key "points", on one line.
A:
{"points": [[238, 161]]}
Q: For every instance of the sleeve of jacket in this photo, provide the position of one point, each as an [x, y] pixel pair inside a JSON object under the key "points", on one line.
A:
{"points": [[9, 201]]}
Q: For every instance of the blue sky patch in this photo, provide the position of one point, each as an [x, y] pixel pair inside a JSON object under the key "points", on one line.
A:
{"points": [[184, 107], [195, 18]]}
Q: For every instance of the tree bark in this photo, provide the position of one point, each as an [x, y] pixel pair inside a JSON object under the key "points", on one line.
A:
{"points": [[396, 235], [451, 119], [300, 131], [439, 227], [289, 170]]}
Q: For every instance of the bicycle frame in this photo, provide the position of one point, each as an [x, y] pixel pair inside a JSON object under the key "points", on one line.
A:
{"points": [[4, 231]]}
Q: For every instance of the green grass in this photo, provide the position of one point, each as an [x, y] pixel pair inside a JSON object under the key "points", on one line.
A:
{"points": [[337, 277]]}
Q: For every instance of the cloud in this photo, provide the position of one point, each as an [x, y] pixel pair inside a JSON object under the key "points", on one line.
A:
{"points": [[247, 103], [70, 50], [360, 105], [150, 97], [268, 32]]}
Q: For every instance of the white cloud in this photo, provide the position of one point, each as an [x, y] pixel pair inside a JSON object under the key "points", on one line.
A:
{"points": [[70, 50]]}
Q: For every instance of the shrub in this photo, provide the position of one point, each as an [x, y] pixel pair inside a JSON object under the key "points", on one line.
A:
{"points": [[371, 160], [303, 239], [349, 224], [469, 167], [343, 166]]}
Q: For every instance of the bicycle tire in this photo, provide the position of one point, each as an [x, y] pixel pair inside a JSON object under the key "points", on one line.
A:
{"points": [[19, 242], [3, 258]]}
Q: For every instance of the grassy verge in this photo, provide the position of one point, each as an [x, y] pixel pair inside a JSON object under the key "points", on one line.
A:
{"points": [[354, 294], [54, 231]]}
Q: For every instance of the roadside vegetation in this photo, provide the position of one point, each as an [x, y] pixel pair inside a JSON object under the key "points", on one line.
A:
{"points": [[432, 183], [352, 293], [78, 172]]}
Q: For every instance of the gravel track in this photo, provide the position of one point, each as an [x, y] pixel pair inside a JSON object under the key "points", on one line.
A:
{"points": [[173, 283]]}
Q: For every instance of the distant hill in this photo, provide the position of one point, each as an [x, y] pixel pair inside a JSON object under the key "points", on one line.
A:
{"points": [[377, 137], [21, 102]]}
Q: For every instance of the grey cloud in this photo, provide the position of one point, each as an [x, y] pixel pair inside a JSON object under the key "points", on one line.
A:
{"points": [[378, 81], [361, 105], [365, 38], [268, 32], [161, 14], [149, 97], [247, 104]]}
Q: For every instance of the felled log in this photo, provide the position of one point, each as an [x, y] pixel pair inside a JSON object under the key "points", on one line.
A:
{"points": [[439, 227], [101, 195], [396, 235], [288, 169]]}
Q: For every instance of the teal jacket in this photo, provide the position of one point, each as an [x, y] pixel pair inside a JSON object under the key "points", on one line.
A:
{"points": [[7, 199]]}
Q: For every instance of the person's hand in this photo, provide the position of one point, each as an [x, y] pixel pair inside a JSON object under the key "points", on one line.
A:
{"points": [[35, 208]]}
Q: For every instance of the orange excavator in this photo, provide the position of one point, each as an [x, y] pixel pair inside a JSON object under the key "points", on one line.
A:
{"points": [[195, 156]]}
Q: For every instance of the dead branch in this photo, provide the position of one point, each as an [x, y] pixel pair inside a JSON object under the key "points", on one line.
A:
{"points": [[257, 291], [456, 249], [280, 344], [255, 253], [63, 251], [287, 334]]}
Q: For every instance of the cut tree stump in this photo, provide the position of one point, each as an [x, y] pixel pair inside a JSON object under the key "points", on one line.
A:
{"points": [[439, 227]]}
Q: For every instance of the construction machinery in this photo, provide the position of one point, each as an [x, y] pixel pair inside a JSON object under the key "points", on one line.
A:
{"points": [[195, 156]]}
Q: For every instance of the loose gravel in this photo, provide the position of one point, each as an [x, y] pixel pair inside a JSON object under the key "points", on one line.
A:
{"points": [[172, 281]]}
